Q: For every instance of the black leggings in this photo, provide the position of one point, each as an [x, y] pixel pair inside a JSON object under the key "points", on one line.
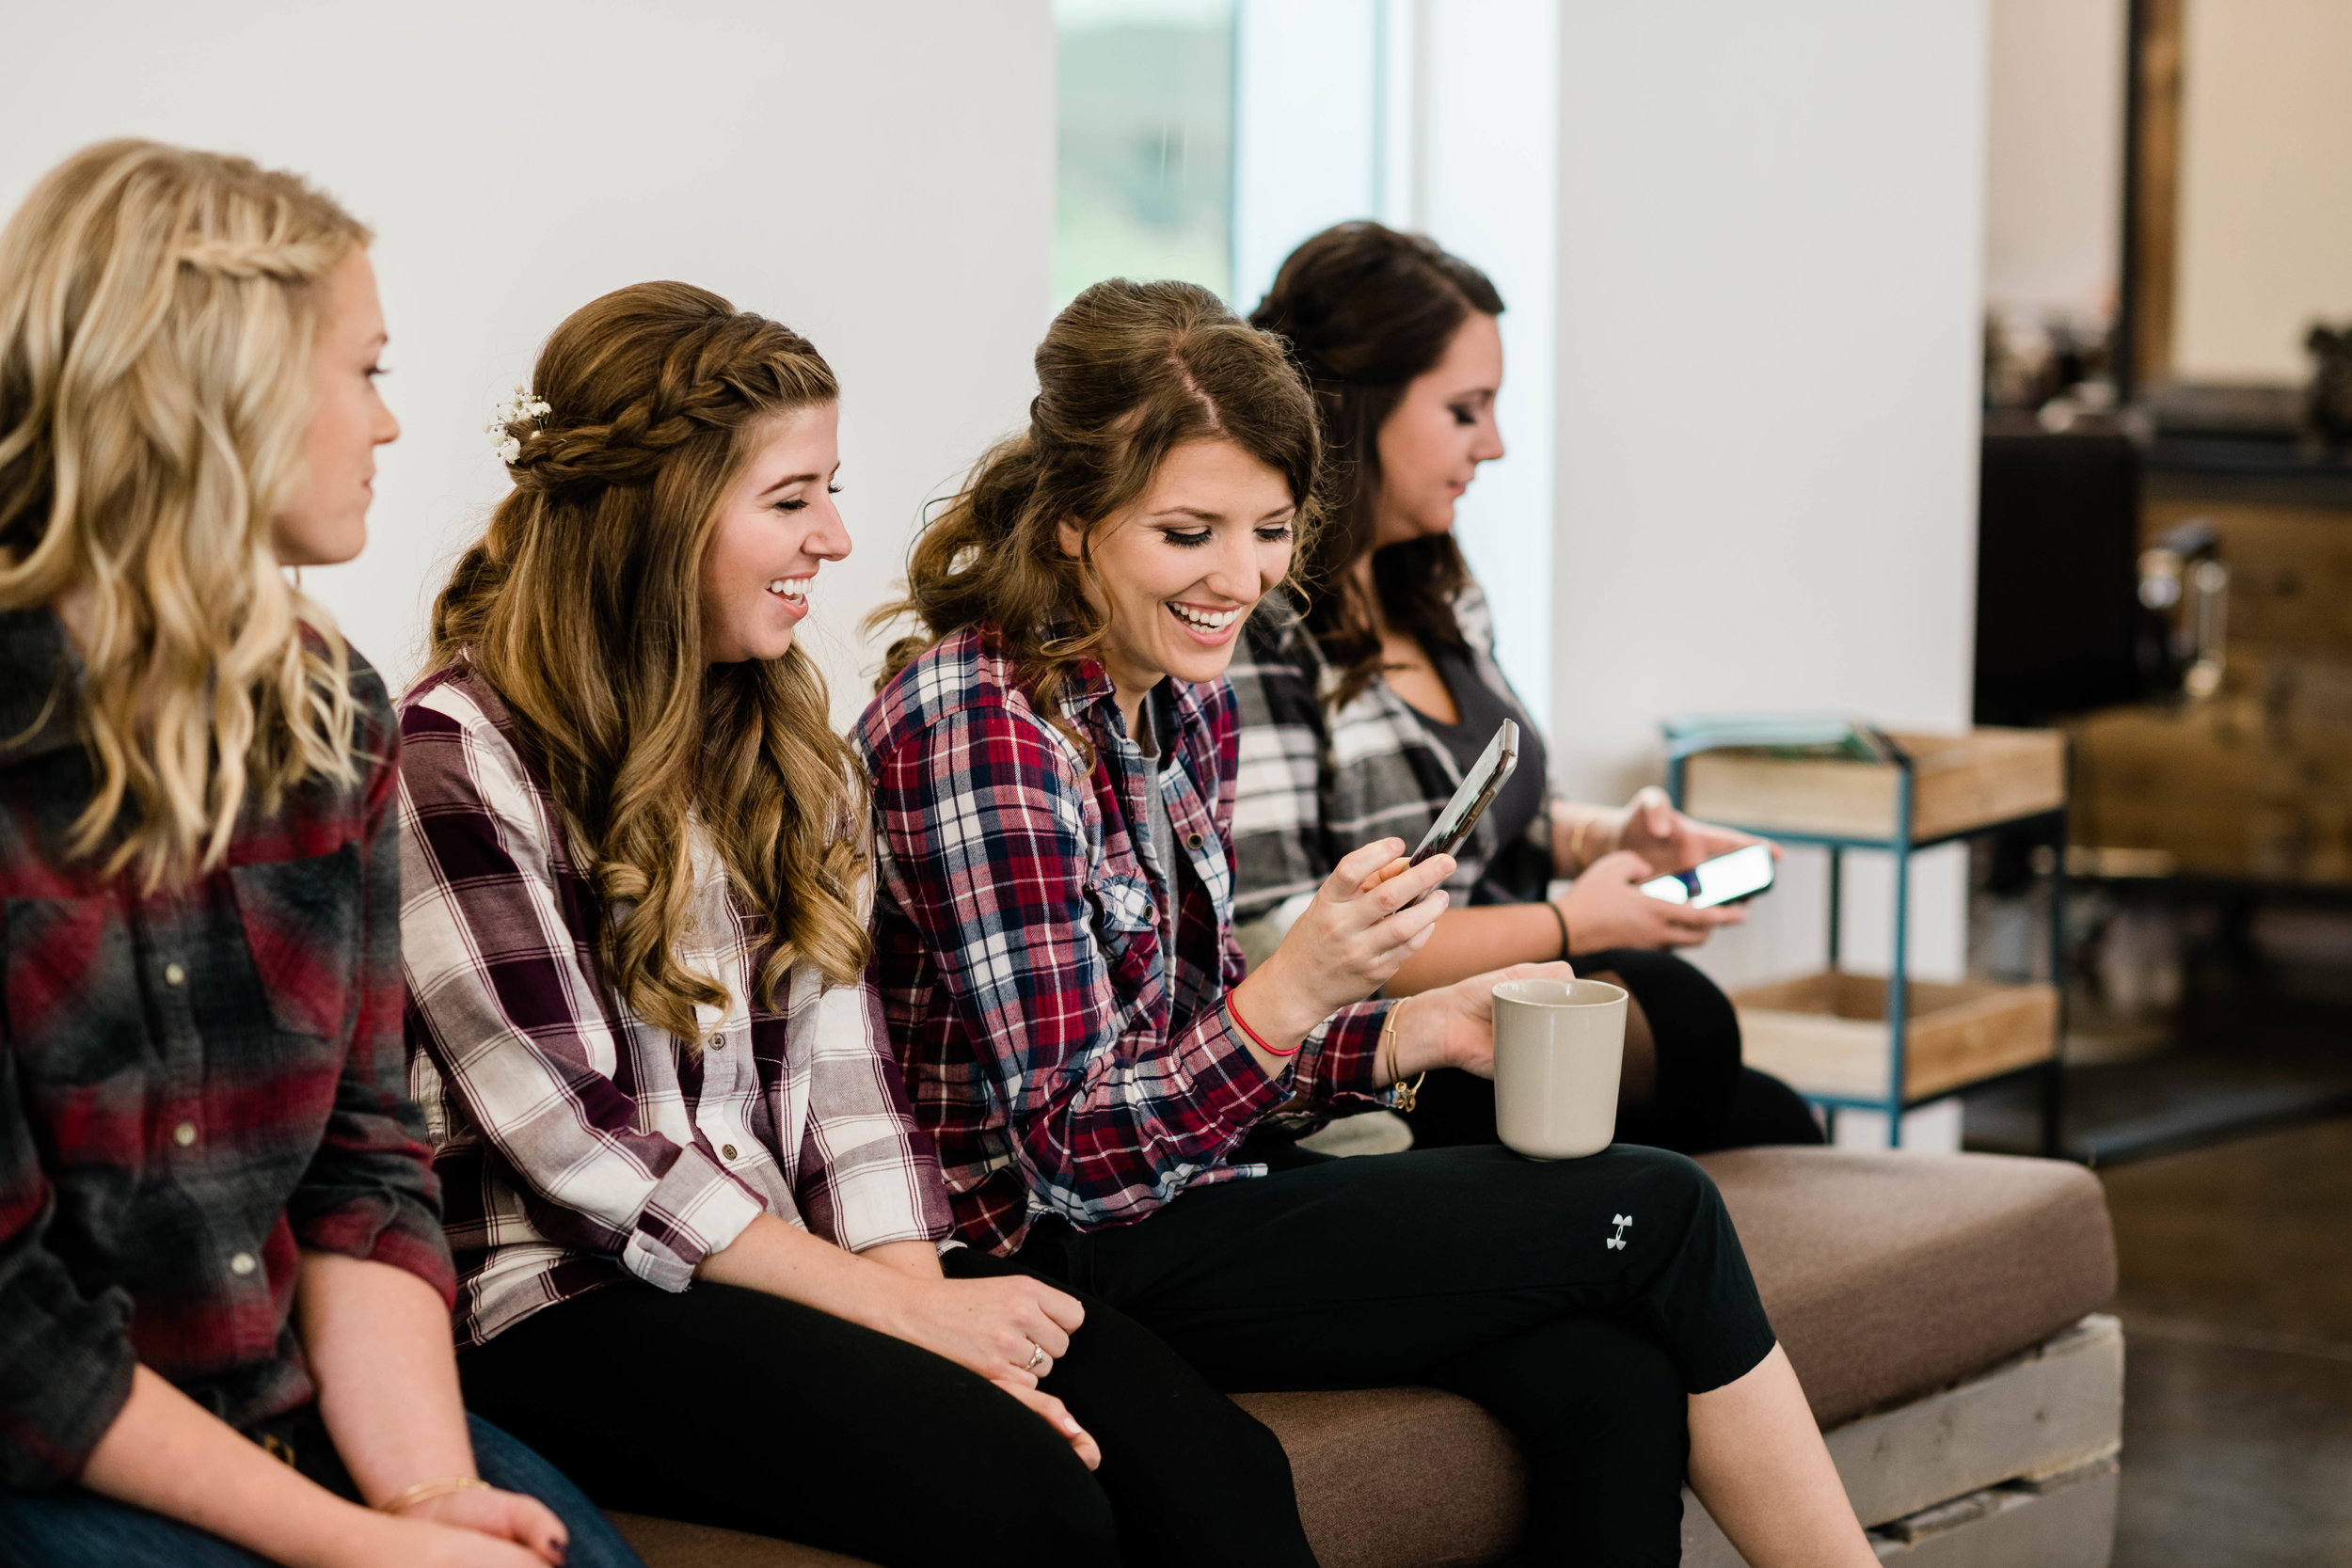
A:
{"points": [[1690, 1092], [731, 1407], [1578, 1301]]}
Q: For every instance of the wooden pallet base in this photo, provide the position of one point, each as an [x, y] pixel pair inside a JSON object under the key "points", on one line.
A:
{"points": [[2013, 1468]]}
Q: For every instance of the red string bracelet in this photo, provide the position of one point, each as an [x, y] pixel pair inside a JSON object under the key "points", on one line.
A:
{"points": [[1234, 1013]]}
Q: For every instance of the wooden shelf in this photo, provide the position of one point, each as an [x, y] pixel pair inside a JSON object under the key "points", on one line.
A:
{"points": [[1826, 1034], [1961, 782]]}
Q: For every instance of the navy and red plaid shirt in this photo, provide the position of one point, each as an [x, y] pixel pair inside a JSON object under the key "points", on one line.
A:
{"points": [[199, 1084], [1062, 1063]]}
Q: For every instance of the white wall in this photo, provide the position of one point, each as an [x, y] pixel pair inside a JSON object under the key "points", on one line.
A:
{"points": [[1770, 242], [2054, 183], [878, 177], [2265, 196]]}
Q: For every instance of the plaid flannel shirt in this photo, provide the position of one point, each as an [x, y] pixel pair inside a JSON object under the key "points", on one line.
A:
{"points": [[1065, 1064], [197, 1085], [1314, 783], [581, 1144]]}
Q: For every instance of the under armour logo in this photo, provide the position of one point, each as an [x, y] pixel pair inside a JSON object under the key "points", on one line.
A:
{"points": [[1620, 1221]]}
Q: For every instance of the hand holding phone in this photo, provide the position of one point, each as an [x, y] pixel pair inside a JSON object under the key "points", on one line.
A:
{"points": [[1724, 880], [1477, 791]]}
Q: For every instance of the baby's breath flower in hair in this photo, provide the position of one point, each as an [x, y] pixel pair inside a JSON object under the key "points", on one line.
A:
{"points": [[523, 410]]}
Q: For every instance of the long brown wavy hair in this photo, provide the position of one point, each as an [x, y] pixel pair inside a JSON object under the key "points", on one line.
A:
{"points": [[1127, 373], [157, 311], [581, 606], [1367, 309]]}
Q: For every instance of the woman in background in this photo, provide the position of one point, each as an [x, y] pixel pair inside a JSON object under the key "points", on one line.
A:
{"points": [[694, 1221], [1368, 689], [224, 1325], [1053, 760]]}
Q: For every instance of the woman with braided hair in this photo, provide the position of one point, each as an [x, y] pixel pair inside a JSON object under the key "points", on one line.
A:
{"points": [[686, 1191], [224, 1288]]}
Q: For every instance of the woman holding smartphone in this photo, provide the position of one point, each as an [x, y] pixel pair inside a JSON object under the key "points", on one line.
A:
{"points": [[695, 1225], [1368, 686], [1052, 758]]}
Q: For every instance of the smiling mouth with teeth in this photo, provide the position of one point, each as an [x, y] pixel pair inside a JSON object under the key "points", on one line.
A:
{"points": [[1206, 620], [795, 589]]}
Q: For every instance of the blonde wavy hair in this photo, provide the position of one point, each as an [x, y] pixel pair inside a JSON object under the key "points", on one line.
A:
{"points": [[157, 309], [580, 605]]}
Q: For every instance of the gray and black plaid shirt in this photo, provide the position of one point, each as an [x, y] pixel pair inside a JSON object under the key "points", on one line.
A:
{"points": [[1314, 783]]}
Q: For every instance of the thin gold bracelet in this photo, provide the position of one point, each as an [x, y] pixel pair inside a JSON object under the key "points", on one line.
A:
{"points": [[425, 1491], [1576, 841], [1408, 1095]]}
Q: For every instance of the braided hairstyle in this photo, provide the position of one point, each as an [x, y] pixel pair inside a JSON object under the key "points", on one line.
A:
{"points": [[158, 307], [1367, 309], [579, 605], [1127, 373]]}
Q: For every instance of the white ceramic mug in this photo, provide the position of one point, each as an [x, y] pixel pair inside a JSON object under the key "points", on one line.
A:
{"points": [[1559, 1047]]}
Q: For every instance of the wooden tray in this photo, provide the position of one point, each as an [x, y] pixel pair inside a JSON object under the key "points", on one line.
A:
{"points": [[1826, 1032], [1963, 781]]}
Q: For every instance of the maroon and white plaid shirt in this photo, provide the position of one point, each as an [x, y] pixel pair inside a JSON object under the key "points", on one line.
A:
{"points": [[1068, 1062], [579, 1144]]}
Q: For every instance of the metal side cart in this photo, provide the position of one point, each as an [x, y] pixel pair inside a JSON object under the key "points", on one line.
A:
{"points": [[1891, 1044]]}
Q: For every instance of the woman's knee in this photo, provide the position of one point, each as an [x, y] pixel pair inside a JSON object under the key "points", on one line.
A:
{"points": [[1673, 1186]]}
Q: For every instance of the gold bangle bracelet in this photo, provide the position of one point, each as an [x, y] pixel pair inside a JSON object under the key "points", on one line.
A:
{"points": [[425, 1491], [1408, 1095], [1576, 841]]}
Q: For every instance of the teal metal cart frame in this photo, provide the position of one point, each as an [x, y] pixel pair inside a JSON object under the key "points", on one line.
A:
{"points": [[2049, 826]]}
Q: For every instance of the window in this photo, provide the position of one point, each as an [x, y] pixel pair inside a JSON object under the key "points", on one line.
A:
{"points": [[1145, 187]]}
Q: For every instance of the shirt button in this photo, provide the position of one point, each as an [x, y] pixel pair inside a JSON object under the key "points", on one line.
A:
{"points": [[717, 1042], [243, 1264], [174, 974], [727, 1149], [1193, 841], [184, 1134]]}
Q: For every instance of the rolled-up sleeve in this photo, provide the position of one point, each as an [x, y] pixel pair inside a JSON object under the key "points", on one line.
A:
{"points": [[502, 1002], [369, 1191]]}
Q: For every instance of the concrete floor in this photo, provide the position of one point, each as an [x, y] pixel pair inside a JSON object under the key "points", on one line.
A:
{"points": [[2237, 1301]]}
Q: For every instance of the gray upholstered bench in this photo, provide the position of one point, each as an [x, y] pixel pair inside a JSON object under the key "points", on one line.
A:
{"points": [[1934, 1307]]}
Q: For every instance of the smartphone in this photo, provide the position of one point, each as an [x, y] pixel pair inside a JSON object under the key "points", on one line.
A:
{"points": [[1479, 787], [1726, 880]]}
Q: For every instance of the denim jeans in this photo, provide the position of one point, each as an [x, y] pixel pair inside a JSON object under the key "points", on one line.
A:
{"points": [[73, 1528]]}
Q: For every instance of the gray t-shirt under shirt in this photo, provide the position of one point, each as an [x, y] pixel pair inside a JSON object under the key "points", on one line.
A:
{"points": [[1158, 838]]}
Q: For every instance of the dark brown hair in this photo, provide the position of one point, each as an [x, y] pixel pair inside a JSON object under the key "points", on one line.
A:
{"points": [[1127, 373], [1366, 309], [580, 605]]}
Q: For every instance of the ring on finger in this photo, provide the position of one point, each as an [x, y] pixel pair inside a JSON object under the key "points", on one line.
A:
{"points": [[1037, 1357]]}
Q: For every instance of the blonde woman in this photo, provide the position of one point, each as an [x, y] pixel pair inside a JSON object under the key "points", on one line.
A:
{"points": [[694, 1219], [224, 1332]]}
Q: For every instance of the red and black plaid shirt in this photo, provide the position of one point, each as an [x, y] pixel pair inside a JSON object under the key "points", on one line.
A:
{"points": [[1063, 1060], [197, 1084]]}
